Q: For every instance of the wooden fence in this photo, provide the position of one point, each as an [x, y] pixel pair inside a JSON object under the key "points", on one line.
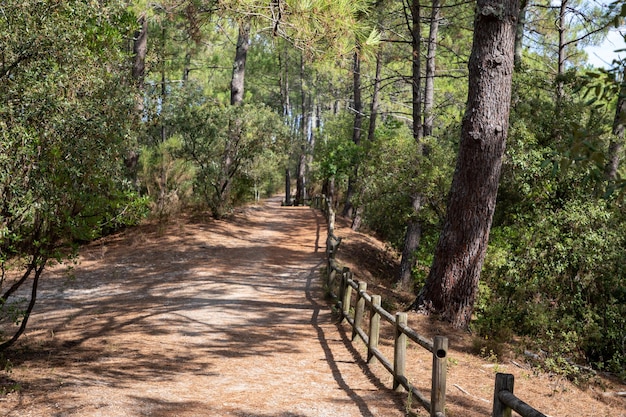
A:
{"points": [[504, 400], [341, 284]]}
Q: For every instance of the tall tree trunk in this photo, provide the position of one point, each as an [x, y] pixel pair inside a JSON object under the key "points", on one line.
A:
{"points": [[140, 49], [519, 34], [304, 123], [301, 178], [452, 284], [239, 66], [416, 44], [228, 168], [561, 28], [161, 201], [429, 83], [287, 187], [356, 130], [616, 145], [283, 62], [371, 131], [414, 228]]}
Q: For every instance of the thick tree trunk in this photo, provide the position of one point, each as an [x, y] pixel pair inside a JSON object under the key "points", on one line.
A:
{"points": [[429, 82], [452, 284], [356, 131]]}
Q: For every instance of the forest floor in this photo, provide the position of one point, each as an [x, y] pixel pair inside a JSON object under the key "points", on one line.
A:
{"points": [[199, 317]]}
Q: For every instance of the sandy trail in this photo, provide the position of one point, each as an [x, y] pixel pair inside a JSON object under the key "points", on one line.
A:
{"points": [[217, 318]]}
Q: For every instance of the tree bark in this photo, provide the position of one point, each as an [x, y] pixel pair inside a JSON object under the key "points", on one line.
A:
{"points": [[239, 66], [561, 28], [452, 284], [287, 187], [371, 131], [140, 49], [411, 244], [429, 82], [414, 228], [519, 34], [416, 44], [348, 208], [228, 167], [283, 62]]}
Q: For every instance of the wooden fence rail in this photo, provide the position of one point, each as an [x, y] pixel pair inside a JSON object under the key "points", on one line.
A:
{"points": [[341, 284], [504, 400]]}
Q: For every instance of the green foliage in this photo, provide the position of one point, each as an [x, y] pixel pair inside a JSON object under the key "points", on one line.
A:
{"points": [[335, 154], [205, 129], [64, 126], [554, 270]]}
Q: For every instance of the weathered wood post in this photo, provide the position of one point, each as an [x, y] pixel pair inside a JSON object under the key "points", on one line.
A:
{"points": [[374, 328], [332, 275], [359, 309], [347, 295], [438, 391], [399, 356], [504, 400], [342, 286], [504, 382]]}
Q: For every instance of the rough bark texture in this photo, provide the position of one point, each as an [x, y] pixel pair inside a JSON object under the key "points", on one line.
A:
{"points": [[452, 284], [348, 208], [239, 66], [140, 48], [416, 41], [429, 83]]}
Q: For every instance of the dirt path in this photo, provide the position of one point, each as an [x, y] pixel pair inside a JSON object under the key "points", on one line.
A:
{"points": [[199, 319]]}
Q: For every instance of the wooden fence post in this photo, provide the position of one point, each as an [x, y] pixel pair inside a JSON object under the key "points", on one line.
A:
{"points": [[347, 294], [332, 274], [399, 356], [359, 309], [504, 382], [438, 391], [374, 328]]}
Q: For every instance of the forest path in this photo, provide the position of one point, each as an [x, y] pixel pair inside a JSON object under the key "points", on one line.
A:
{"points": [[215, 318]]}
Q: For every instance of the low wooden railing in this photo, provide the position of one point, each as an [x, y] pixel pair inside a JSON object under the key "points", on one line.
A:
{"points": [[504, 400], [340, 284]]}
